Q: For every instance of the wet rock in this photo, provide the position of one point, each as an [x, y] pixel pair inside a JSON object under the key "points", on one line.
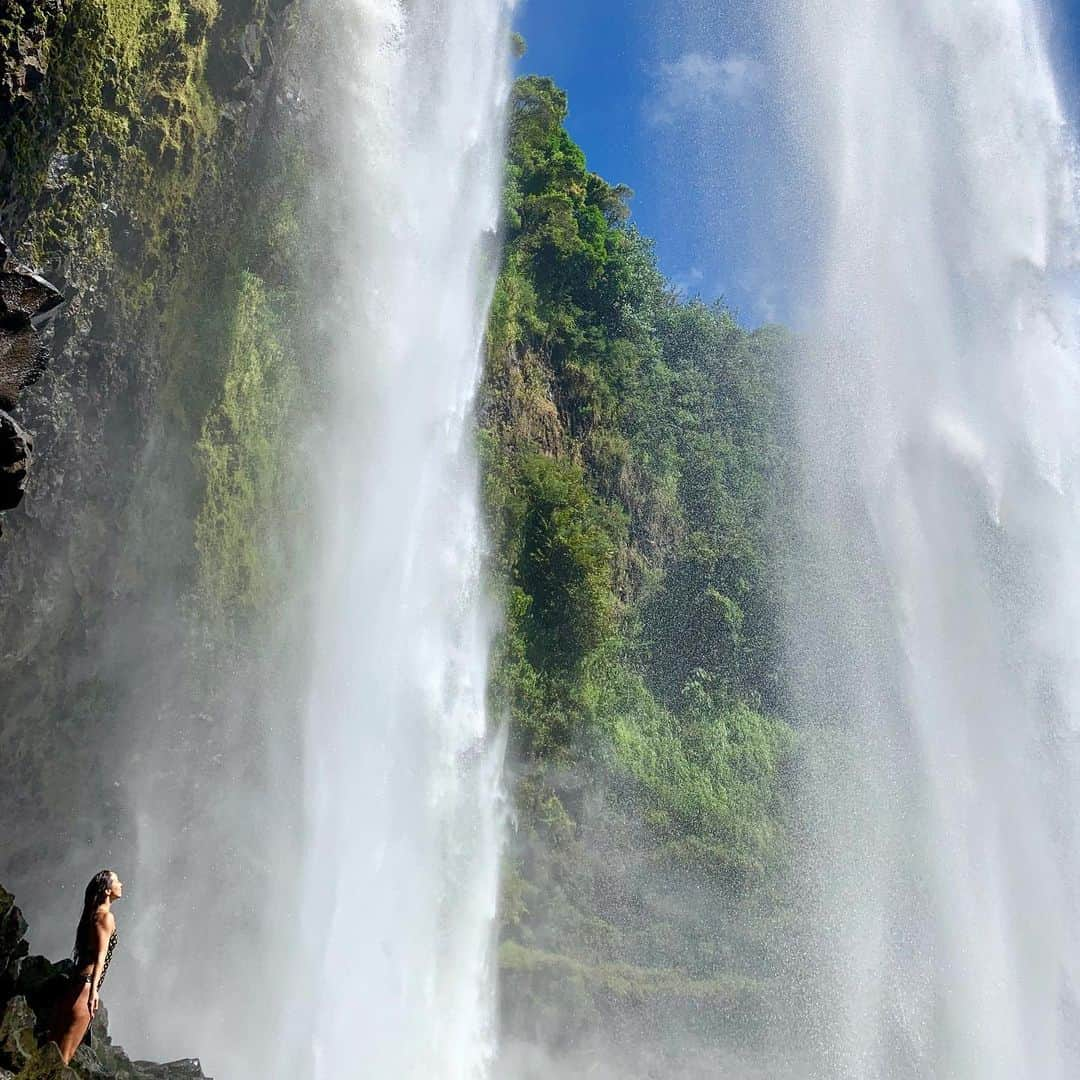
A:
{"points": [[16, 454], [13, 947], [23, 359], [12, 930], [23, 291], [17, 1042], [22, 73], [27, 303], [235, 70]]}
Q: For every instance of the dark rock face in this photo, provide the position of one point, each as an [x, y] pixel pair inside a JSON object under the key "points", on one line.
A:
{"points": [[22, 291], [27, 303], [13, 947], [23, 72], [16, 450], [28, 987]]}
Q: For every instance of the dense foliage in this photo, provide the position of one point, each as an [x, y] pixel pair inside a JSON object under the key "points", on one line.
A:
{"points": [[632, 453]]}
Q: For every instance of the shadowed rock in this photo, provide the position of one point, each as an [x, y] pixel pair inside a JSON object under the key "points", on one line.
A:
{"points": [[13, 946], [27, 302], [16, 453], [22, 74]]}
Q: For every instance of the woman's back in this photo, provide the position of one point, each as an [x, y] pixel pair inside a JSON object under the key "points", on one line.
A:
{"points": [[86, 943]]}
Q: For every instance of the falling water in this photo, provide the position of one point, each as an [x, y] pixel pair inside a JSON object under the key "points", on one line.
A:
{"points": [[937, 641], [400, 875]]}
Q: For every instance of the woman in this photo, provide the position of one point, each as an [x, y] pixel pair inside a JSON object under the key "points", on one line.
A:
{"points": [[95, 940]]}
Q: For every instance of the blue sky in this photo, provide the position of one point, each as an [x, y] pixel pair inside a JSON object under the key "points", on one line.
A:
{"points": [[713, 180], [1065, 43]]}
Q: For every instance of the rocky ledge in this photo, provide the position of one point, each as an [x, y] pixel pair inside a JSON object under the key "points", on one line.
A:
{"points": [[27, 303], [28, 986]]}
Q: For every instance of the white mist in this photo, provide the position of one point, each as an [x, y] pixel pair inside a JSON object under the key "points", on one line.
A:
{"points": [[936, 621]]}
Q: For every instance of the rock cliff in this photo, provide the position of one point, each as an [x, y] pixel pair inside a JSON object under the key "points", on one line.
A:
{"points": [[129, 138], [132, 136], [28, 987]]}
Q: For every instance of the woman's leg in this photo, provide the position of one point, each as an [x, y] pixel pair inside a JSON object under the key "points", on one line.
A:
{"points": [[71, 1020]]}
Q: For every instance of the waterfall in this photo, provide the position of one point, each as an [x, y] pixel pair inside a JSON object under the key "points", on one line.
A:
{"points": [[935, 644], [401, 783]]}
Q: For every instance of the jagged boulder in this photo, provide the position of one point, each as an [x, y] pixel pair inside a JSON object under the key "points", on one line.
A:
{"points": [[16, 454], [40, 981], [17, 1042], [27, 302], [23, 356], [13, 946]]}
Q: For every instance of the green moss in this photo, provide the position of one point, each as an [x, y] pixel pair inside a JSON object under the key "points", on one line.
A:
{"points": [[115, 146], [241, 456]]}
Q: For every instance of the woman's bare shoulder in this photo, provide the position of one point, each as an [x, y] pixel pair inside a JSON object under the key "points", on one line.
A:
{"points": [[105, 919]]}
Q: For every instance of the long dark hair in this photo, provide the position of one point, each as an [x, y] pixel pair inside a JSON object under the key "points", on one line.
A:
{"points": [[96, 891]]}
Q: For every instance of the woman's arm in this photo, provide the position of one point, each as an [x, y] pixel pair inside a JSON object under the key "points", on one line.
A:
{"points": [[104, 924]]}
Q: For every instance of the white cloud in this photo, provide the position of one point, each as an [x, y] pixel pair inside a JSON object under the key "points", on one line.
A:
{"points": [[763, 295], [698, 82]]}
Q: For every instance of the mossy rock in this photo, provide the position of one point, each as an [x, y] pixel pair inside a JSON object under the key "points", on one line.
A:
{"points": [[47, 1064], [17, 1042]]}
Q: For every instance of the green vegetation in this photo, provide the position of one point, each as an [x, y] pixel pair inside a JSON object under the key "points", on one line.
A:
{"points": [[617, 999], [233, 330], [120, 168], [631, 450], [240, 453], [120, 135], [631, 455]]}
